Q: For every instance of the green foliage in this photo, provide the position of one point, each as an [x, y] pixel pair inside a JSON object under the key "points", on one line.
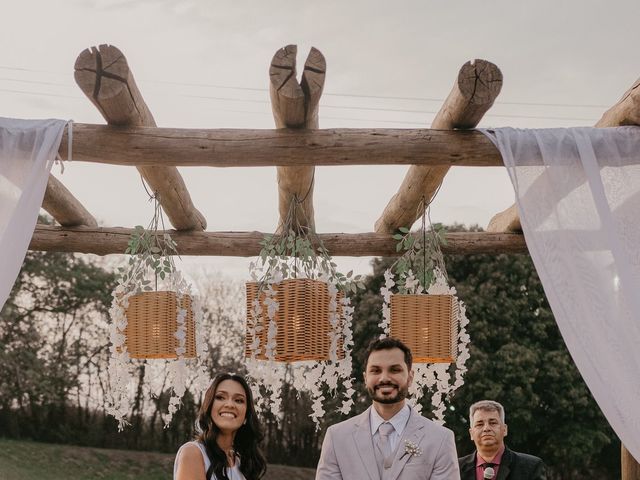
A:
{"points": [[151, 255], [150, 252], [296, 251], [51, 331], [421, 255]]}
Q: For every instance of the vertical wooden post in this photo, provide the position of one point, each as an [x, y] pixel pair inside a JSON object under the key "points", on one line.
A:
{"points": [[295, 105], [630, 467]]}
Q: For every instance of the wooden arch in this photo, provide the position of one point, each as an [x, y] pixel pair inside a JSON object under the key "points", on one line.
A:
{"points": [[295, 147]]}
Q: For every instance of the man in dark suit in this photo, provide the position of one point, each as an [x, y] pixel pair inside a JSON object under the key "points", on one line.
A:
{"points": [[492, 459]]}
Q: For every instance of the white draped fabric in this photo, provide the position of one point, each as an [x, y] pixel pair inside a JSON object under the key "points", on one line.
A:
{"points": [[578, 194], [27, 150]]}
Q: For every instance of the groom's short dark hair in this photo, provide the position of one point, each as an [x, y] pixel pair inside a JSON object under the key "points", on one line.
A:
{"points": [[388, 343]]}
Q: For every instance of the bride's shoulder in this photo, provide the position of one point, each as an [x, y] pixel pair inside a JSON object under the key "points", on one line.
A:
{"points": [[190, 451], [189, 462]]}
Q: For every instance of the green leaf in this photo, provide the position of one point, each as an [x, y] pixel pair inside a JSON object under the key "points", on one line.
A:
{"points": [[404, 229]]}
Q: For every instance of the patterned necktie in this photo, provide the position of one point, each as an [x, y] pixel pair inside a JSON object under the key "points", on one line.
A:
{"points": [[384, 442]]}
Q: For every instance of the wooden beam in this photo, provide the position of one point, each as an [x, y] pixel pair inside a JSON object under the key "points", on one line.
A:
{"points": [[625, 112], [64, 207], [103, 74], [476, 88], [630, 467], [506, 221], [295, 105], [103, 241], [286, 147]]}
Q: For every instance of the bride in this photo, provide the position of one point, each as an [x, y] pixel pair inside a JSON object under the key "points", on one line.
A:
{"points": [[226, 446]]}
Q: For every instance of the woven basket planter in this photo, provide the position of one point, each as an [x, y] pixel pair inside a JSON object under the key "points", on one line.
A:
{"points": [[152, 325], [428, 325], [303, 328]]}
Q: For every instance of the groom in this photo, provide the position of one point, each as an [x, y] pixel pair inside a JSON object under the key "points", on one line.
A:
{"points": [[390, 440]]}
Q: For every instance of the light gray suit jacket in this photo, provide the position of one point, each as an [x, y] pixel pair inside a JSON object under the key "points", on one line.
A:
{"points": [[348, 452]]}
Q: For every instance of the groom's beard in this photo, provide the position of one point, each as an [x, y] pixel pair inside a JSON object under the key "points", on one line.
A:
{"points": [[402, 393]]}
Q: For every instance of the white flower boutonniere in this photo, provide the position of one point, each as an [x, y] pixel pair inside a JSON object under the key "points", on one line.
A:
{"points": [[411, 449]]}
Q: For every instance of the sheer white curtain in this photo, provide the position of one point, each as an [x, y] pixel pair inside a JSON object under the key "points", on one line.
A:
{"points": [[27, 150], [578, 194]]}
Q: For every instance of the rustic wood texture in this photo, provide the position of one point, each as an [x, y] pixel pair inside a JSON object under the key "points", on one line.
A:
{"points": [[286, 147], [64, 207], [625, 112], [473, 93], [103, 74], [507, 221], [295, 105], [630, 467], [103, 241]]}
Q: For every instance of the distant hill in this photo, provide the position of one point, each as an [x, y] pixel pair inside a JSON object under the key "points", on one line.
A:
{"points": [[44, 461]]}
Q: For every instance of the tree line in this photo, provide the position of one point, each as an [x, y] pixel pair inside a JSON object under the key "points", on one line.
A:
{"points": [[54, 352]]}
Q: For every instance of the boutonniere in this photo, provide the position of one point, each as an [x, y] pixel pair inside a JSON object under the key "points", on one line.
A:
{"points": [[411, 449]]}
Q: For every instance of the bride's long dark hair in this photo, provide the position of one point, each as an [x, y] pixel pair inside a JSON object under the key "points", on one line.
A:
{"points": [[247, 440]]}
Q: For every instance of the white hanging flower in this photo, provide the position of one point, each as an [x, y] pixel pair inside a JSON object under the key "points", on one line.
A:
{"points": [[430, 377], [312, 377], [120, 393]]}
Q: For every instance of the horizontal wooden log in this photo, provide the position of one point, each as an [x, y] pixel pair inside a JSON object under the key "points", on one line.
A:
{"points": [[282, 147], [103, 241], [64, 207]]}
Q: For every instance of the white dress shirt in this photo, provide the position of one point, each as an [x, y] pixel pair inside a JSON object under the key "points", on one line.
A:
{"points": [[399, 422]]}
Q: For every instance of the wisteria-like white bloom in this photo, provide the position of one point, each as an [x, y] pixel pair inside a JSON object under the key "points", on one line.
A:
{"points": [[120, 395], [267, 376], [436, 377]]}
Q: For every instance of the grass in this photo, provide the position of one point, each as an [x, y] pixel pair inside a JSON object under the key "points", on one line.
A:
{"points": [[21, 460]]}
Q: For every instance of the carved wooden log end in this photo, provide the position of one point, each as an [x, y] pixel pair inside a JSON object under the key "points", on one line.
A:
{"points": [[478, 85], [480, 82], [287, 97], [626, 111], [103, 74], [507, 221], [312, 84]]}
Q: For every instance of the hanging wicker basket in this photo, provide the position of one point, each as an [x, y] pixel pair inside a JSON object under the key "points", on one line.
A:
{"points": [[428, 325], [152, 325], [302, 321]]}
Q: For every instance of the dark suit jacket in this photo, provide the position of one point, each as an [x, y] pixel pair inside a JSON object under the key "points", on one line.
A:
{"points": [[513, 466]]}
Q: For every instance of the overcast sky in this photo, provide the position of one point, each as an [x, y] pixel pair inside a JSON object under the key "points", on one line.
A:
{"points": [[204, 63]]}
